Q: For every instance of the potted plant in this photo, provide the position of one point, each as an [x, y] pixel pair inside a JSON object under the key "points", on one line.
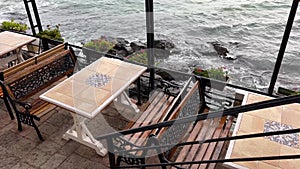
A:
{"points": [[140, 57], [287, 92], [103, 44], [213, 73], [51, 33], [14, 26]]}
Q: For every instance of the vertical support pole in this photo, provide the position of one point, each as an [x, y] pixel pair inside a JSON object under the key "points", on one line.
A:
{"points": [[150, 39], [139, 91], [37, 20], [29, 17], [36, 15], [284, 42], [111, 155]]}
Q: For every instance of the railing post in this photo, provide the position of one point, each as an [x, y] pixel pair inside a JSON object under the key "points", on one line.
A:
{"points": [[284, 42], [150, 39], [111, 155], [139, 91], [36, 16]]}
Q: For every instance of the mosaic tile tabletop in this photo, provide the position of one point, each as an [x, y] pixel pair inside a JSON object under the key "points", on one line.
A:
{"points": [[91, 89], [266, 120], [98, 80]]}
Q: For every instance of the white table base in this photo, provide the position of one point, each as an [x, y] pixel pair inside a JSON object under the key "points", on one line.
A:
{"points": [[124, 101], [80, 133]]}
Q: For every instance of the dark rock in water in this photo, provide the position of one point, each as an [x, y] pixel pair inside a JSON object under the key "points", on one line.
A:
{"points": [[123, 48], [121, 44], [222, 51], [165, 75], [163, 44], [111, 52], [136, 46], [159, 44]]}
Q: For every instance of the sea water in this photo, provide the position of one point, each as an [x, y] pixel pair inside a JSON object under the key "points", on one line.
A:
{"points": [[252, 31]]}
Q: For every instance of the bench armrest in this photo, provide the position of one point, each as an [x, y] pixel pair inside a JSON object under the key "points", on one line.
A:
{"points": [[25, 105], [25, 108], [14, 104]]}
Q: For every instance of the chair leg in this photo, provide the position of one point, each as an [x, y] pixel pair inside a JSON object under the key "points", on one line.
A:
{"points": [[119, 161], [36, 129], [19, 122], [12, 117]]}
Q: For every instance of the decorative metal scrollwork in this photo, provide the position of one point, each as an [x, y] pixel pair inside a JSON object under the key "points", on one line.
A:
{"points": [[128, 157], [25, 118], [131, 161], [121, 145], [31, 82], [175, 132]]}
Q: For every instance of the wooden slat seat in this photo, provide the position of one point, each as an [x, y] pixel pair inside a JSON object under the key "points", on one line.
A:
{"points": [[23, 82], [203, 130], [160, 108], [39, 108], [155, 112]]}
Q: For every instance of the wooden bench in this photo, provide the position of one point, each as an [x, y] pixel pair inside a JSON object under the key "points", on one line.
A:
{"points": [[4, 74], [161, 104], [190, 105], [196, 132], [22, 83], [160, 109]]}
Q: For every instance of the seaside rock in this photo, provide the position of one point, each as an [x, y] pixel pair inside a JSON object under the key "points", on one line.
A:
{"points": [[163, 44], [162, 48], [136, 46], [123, 48], [121, 44], [222, 51], [165, 75]]}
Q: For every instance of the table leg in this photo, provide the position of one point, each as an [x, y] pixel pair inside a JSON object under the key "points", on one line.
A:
{"points": [[80, 133], [124, 100], [19, 55]]}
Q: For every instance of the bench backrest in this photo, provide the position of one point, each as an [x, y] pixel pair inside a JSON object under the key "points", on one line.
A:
{"points": [[35, 74], [32, 61], [189, 106]]}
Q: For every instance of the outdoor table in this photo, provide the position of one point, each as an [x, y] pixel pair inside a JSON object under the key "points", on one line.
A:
{"points": [[89, 91], [265, 120], [10, 41]]}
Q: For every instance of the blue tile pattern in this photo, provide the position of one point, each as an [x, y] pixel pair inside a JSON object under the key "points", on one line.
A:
{"points": [[98, 80], [291, 140]]}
